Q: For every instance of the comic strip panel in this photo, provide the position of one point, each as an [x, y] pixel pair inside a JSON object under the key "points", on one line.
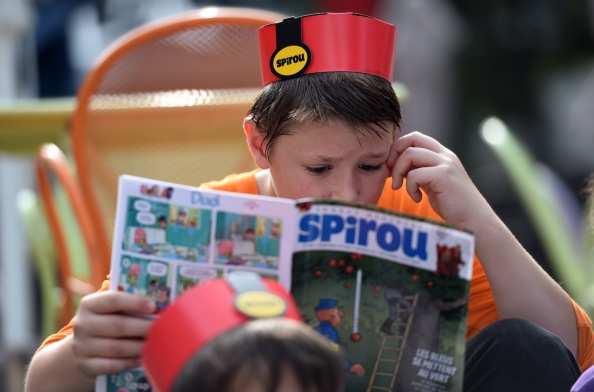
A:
{"points": [[247, 240], [169, 231]]}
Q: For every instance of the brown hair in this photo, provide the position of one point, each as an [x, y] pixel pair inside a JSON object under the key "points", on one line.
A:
{"points": [[262, 351], [356, 99]]}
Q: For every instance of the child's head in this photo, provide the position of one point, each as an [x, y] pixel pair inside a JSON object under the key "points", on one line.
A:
{"points": [[237, 333], [327, 115], [266, 355]]}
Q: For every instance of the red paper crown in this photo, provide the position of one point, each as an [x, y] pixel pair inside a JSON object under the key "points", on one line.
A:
{"points": [[325, 43], [205, 312]]}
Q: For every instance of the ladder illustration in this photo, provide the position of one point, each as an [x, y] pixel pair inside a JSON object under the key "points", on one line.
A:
{"points": [[390, 353]]}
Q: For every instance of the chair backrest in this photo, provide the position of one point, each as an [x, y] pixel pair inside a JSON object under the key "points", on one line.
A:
{"points": [[167, 101], [80, 270]]}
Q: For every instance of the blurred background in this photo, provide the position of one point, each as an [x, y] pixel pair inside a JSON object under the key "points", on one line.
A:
{"points": [[528, 62]]}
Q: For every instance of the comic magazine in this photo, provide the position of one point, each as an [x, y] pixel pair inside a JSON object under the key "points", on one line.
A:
{"points": [[388, 291]]}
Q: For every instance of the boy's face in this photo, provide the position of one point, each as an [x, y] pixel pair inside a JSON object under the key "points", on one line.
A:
{"points": [[329, 161]]}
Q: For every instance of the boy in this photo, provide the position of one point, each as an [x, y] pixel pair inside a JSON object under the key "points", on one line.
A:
{"points": [[325, 125]]}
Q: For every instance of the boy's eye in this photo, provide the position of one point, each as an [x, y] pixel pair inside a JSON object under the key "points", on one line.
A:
{"points": [[370, 167], [318, 170]]}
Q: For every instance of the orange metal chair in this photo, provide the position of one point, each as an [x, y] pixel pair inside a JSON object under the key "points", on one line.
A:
{"points": [[167, 101], [79, 269]]}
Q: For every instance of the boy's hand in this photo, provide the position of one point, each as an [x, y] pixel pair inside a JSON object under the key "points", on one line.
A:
{"points": [[107, 339], [429, 166]]}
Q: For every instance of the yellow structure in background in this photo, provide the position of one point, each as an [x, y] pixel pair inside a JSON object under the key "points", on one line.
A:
{"points": [[27, 124]]}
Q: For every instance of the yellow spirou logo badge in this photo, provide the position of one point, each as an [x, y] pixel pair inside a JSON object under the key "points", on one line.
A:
{"points": [[290, 61], [260, 304]]}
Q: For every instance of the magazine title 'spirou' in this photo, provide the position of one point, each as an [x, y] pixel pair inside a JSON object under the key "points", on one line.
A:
{"points": [[205, 312], [327, 42]]}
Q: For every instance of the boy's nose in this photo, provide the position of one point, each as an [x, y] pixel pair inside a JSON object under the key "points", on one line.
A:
{"points": [[345, 189]]}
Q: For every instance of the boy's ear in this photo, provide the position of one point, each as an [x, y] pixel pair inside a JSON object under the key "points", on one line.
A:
{"points": [[255, 142]]}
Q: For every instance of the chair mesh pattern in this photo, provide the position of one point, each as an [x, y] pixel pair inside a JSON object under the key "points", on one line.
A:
{"points": [[208, 57], [172, 109]]}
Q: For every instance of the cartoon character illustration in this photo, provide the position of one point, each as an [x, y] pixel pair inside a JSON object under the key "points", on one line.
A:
{"points": [[181, 218], [275, 229], [330, 316], [449, 260], [151, 289], [162, 297], [235, 232], [140, 241], [167, 192], [396, 302], [226, 248], [249, 234], [133, 273], [162, 222]]}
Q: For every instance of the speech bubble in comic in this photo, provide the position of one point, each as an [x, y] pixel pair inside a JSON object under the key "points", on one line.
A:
{"points": [[142, 205], [156, 269], [146, 218], [198, 272]]}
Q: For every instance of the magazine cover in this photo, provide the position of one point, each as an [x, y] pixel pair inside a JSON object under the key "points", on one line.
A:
{"points": [[389, 292]]}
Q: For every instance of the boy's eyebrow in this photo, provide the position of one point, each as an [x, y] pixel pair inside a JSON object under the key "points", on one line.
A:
{"points": [[378, 155], [328, 159]]}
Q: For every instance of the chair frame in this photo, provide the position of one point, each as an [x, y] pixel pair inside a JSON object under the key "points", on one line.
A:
{"points": [[141, 35], [51, 160]]}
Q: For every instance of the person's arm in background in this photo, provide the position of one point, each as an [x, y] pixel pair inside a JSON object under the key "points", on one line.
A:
{"points": [[106, 340], [521, 288]]}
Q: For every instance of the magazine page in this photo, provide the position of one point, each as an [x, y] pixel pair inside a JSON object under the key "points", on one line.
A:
{"points": [[169, 237], [389, 292]]}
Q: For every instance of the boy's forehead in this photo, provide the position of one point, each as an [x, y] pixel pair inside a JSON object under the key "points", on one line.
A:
{"points": [[326, 42]]}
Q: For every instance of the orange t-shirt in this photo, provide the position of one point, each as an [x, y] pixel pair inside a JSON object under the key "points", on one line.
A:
{"points": [[481, 307]]}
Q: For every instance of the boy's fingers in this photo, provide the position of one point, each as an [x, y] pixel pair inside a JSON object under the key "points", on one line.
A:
{"points": [[392, 157], [396, 180], [106, 302], [413, 158], [109, 348], [416, 139], [113, 325], [96, 365]]}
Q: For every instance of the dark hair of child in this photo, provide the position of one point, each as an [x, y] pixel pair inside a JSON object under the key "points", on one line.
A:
{"points": [[261, 353], [356, 99]]}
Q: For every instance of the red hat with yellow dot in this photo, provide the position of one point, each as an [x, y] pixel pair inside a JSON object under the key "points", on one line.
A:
{"points": [[326, 42], [204, 312]]}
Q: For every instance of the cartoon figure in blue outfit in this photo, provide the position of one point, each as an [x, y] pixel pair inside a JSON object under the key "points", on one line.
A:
{"points": [[330, 316], [162, 297]]}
